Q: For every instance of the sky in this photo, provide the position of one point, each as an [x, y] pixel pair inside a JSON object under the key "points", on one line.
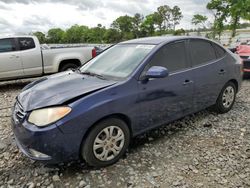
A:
{"points": [[26, 16]]}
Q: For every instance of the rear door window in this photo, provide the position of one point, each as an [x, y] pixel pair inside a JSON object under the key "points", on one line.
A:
{"points": [[172, 56], [26, 43], [7, 45], [202, 52]]}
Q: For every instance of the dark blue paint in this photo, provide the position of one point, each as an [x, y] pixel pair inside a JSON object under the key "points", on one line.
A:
{"points": [[146, 103], [156, 72]]}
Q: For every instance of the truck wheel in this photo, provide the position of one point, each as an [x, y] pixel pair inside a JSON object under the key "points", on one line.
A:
{"points": [[68, 66], [226, 98], [106, 143]]}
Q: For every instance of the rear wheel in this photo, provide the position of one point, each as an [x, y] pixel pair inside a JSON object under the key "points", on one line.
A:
{"points": [[226, 98], [106, 143], [68, 66]]}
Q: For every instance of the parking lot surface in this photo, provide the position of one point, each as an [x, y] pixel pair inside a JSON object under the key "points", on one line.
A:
{"points": [[201, 150]]}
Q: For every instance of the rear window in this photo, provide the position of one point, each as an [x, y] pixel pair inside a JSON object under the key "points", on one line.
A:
{"points": [[202, 52], [26, 43], [7, 45]]}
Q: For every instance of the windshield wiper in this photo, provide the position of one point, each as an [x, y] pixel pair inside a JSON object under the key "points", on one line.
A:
{"points": [[94, 74]]}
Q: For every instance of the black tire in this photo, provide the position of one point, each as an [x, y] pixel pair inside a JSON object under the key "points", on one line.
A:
{"points": [[68, 66], [220, 106], [87, 151]]}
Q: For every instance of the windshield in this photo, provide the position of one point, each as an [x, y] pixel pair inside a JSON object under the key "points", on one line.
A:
{"points": [[118, 62]]}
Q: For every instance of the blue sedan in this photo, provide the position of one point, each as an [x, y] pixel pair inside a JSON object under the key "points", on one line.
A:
{"points": [[93, 112]]}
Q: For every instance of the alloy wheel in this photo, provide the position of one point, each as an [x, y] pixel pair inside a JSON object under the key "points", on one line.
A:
{"points": [[108, 143], [228, 96]]}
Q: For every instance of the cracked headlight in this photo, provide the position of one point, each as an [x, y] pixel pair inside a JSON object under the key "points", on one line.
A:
{"points": [[46, 116]]}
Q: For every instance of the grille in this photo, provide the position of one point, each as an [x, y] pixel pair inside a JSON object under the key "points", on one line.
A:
{"points": [[19, 112]]}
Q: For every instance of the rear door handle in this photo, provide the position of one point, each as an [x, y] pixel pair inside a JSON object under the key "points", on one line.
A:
{"points": [[222, 71], [187, 82]]}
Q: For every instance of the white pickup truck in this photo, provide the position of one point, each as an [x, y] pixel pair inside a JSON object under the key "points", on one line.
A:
{"points": [[22, 56]]}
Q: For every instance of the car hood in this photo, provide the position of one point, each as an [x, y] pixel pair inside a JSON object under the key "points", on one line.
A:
{"points": [[59, 88]]}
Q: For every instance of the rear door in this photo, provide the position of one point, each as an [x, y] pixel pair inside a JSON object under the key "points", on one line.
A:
{"points": [[10, 60], [31, 56], [209, 70], [166, 99]]}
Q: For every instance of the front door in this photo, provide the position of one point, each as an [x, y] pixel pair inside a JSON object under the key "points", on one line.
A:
{"points": [[10, 60], [166, 99]]}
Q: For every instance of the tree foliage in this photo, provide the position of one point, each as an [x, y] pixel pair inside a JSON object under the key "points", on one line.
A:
{"points": [[162, 21], [199, 20], [231, 11], [227, 15]]}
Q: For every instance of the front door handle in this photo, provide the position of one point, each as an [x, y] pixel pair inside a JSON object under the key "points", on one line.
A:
{"points": [[187, 82]]}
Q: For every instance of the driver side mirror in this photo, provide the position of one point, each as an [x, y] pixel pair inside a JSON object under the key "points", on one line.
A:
{"points": [[156, 72]]}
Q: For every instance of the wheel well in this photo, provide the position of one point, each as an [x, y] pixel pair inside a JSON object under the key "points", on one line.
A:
{"points": [[67, 61], [235, 83]]}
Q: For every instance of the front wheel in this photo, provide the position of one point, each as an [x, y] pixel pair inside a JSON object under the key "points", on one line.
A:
{"points": [[226, 98], [106, 143]]}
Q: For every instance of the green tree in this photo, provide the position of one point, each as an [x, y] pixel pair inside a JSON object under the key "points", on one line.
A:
{"points": [[165, 12], [158, 21], [238, 9], [56, 35], [199, 20], [124, 25], [41, 37], [220, 10], [179, 32], [136, 24], [147, 26], [96, 34], [112, 36], [233, 9], [167, 17], [245, 7], [176, 16], [77, 34]]}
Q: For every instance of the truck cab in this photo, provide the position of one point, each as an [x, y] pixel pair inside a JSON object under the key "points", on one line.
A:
{"points": [[22, 57], [17, 53]]}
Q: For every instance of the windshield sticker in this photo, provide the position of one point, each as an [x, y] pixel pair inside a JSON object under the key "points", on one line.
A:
{"points": [[147, 47]]}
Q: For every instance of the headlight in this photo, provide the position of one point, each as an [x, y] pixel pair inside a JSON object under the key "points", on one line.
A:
{"points": [[43, 117]]}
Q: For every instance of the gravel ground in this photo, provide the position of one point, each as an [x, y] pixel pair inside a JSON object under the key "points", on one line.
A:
{"points": [[201, 150]]}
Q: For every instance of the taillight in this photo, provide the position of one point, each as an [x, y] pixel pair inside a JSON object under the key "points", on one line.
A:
{"points": [[93, 52]]}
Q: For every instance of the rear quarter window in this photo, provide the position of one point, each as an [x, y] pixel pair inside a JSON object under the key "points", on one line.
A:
{"points": [[26, 43], [220, 52], [202, 52]]}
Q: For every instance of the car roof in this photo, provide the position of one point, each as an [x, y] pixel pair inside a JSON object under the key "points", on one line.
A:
{"points": [[158, 40]]}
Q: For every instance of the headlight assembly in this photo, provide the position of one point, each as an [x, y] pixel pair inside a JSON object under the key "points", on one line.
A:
{"points": [[46, 116]]}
